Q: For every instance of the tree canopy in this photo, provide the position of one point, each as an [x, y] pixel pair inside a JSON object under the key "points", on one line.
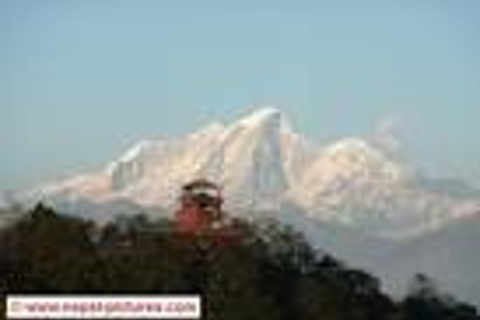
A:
{"points": [[261, 275]]}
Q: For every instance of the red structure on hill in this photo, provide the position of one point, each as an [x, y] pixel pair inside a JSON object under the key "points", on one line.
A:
{"points": [[201, 208]]}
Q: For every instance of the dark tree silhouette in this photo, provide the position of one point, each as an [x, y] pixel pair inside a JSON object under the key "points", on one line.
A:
{"points": [[267, 272]]}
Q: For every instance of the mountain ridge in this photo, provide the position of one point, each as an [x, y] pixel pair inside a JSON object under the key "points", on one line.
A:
{"points": [[260, 161], [355, 196]]}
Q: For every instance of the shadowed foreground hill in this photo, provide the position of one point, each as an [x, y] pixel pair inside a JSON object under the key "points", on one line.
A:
{"points": [[266, 272]]}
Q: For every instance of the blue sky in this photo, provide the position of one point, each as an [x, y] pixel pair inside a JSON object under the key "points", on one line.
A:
{"points": [[80, 81]]}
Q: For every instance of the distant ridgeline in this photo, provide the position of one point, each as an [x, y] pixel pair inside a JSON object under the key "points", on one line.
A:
{"points": [[241, 270]]}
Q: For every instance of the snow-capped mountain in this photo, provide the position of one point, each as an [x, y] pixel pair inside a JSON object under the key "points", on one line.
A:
{"points": [[355, 183], [262, 163], [355, 197]]}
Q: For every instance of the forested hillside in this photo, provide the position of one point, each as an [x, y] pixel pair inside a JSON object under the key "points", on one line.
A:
{"points": [[267, 271]]}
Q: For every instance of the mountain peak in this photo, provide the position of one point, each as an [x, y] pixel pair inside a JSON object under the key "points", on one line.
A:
{"points": [[136, 150], [354, 147], [267, 114], [363, 148], [260, 162], [213, 128], [350, 144]]}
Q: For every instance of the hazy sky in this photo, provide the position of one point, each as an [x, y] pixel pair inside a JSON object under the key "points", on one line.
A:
{"points": [[80, 81]]}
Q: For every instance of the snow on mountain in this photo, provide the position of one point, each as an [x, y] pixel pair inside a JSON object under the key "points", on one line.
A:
{"points": [[245, 158], [250, 160], [262, 163], [349, 163], [151, 172], [356, 197], [356, 183]]}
